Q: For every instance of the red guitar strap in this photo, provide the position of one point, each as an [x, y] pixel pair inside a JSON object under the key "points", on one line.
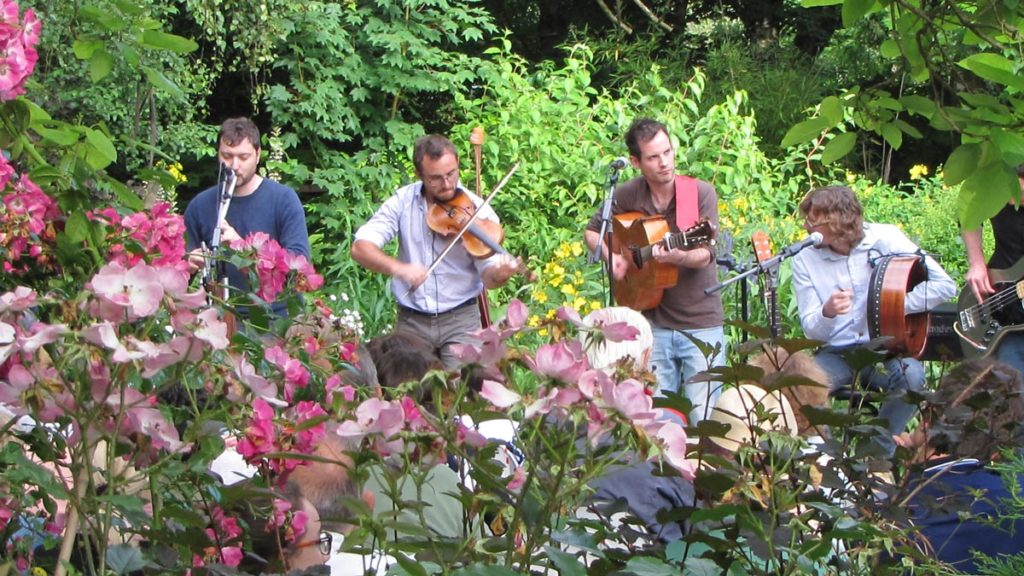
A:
{"points": [[687, 213]]}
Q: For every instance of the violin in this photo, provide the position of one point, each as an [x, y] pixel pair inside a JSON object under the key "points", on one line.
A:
{"points": [[482, 237]]}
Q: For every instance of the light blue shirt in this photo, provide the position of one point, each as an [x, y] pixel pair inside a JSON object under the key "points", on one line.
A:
{"points": [[818, 272], [455, 280]]}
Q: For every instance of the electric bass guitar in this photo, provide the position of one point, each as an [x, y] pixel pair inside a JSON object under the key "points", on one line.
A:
{"points": [[981, 325], [633, 238]]}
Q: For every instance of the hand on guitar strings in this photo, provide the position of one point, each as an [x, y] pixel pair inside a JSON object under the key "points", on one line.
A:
{"points": [[977, 278]]}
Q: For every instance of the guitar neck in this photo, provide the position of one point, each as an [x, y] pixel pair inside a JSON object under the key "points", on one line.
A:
{"points": [[773, 312]]}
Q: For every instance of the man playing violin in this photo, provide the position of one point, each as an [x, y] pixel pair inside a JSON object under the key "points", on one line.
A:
{"points": [[439, 307], [832, 283], [685, 312]]}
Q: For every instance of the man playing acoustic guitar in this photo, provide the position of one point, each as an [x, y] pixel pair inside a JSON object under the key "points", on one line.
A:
{"points": [[1008, 231], [684, 313], [835, 288]]}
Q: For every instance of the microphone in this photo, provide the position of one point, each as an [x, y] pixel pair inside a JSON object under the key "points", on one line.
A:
{"points": [[814, 239], [618, 164]]}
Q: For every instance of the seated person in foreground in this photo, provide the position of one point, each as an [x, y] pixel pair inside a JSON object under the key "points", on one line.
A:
{"points": [[635, 483], [959, 503], [831, 282]]}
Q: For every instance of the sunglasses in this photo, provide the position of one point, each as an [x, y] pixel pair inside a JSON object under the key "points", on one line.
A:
{"points": [[325, 541]]}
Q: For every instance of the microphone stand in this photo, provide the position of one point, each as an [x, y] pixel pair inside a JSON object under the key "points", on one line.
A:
{"points": [[227, 191], [606, 232], [759, 268]]}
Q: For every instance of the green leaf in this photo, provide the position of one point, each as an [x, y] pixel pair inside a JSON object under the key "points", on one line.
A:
{"points": [[127, 196], [816, 3], [838, 147], [483, 570], [647, 566], [161, 82], [100, 65], [832, 109], [165, 41], [985, 192], [854, 10], [1010, 144], [890, 49], [892, 134], [566, 563], [77, 227], [125, 558], [995, 68], [907, 129], [85, 46], [961, 163], [805, 131], [919, 105], [102, 145], [57, 135]]}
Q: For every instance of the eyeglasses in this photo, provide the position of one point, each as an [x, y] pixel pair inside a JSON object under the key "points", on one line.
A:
{"points": [[325, 541], [438, 180]]}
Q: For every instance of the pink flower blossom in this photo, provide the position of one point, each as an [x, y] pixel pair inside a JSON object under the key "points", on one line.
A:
{"points": [[672, 437], [515, 484], [499, 396], [562, 360], [138, 290], [261, 434], [618, 331], [22, 298], [211, 329], [516, 314], [260, 386], [18, 39]]}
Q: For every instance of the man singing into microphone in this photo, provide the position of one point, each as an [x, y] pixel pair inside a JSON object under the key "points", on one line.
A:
{"points": [[258, 205], [831, 283], [686, 314]]}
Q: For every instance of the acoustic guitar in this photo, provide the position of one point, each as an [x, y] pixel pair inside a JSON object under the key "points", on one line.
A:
{"points": [[633, 238], [981, 325]]}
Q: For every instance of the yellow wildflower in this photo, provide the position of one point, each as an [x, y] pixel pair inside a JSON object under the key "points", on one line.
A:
{"points": [[569, 290], [918, 171], [579, 303]]}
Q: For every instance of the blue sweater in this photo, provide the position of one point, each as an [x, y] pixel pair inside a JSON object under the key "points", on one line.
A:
{"points": [[272, 208]]}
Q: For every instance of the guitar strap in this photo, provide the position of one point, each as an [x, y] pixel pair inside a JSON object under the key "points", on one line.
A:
{"points": [[687, 213]]}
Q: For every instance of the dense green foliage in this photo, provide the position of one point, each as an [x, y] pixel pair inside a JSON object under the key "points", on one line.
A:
{"points": [[343, 88]]}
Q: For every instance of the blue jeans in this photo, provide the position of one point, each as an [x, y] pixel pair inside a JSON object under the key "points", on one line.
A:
{"points": [[676, 359], [896, 376], [1011, 350]]}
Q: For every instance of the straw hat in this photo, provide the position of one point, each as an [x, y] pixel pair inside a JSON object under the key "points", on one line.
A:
{"points": [[604, 354], [749, 409]]}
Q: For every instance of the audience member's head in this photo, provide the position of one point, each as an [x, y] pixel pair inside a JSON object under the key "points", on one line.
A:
{"points": [[777, 364], [603, 354], [749, 411], [277, 549], [977, 410], [326, 481]]}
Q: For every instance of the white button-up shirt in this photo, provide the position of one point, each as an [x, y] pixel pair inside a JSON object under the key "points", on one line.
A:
{"points": [[818, 272], [455, 280]]}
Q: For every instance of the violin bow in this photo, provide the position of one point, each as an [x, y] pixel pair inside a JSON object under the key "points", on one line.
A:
{"points": [[458, 236], [476, 138]]}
